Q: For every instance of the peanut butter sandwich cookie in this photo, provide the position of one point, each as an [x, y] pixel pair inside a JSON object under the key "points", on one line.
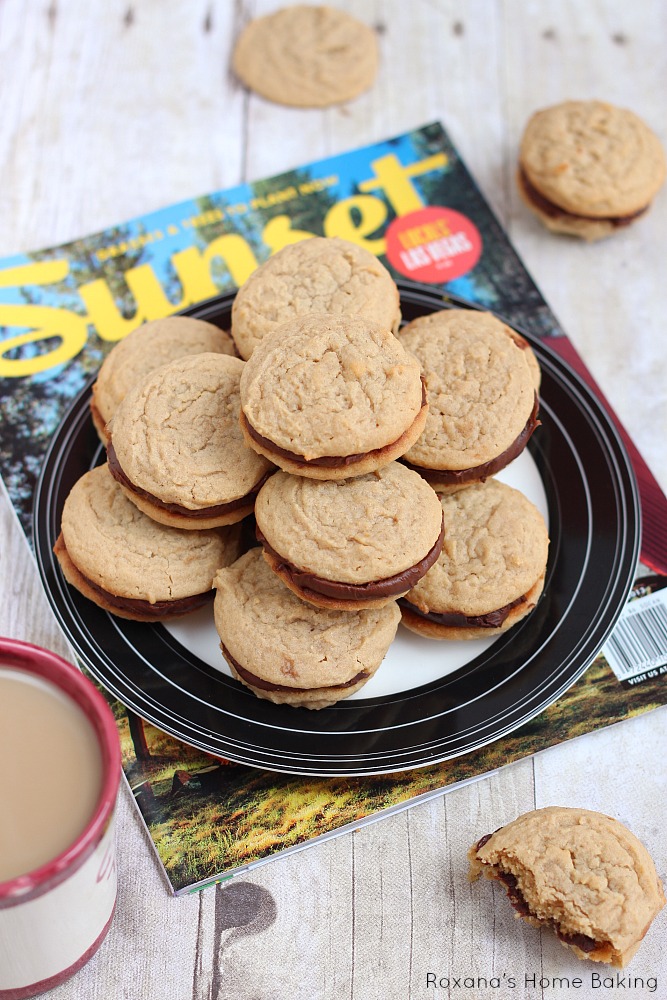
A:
{"points": [[350, 543], [481, 380], [130, 565], [318, 275], [176, 446], [307, 56], [491, 570], [331, 397], [581, 873], [289, 652], [145, 349], [589, 169]]}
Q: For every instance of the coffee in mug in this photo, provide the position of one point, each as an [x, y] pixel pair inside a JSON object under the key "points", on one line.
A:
{"points": [[58, 787]]}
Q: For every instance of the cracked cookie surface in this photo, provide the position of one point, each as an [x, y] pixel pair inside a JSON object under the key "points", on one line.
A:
{"points": [[308, 651], [354, 530], [593, 160], [578, 871], [330, 386], [317, 275], [481, 381], [494, 553], [143, 350], [177, 434], [125, 552]]}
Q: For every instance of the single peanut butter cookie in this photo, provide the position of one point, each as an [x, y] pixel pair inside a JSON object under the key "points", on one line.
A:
{"points": [[307, 56], [481, 381], [289, 652], [129, 564], [176, 446], [318, 275], [351, 543], [490, 572], [581, 873], [587, 168], [145, 349], [330, 397]]}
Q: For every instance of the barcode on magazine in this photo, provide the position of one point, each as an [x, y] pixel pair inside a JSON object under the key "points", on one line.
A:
{"points": [[637, 648]]}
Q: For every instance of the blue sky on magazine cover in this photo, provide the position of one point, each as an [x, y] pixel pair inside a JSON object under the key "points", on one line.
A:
{"points": [[443, 185], [348, 168], [386, 194]]}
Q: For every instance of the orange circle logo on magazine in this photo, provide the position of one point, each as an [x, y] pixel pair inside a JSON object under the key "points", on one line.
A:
{"points": [[433, 245]]}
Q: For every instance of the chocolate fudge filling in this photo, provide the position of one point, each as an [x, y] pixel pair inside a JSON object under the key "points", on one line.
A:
{"points": [[159, 609], [174, 508], [493, 619], [514, 893], [263, 685], [399, 583], [485, 839], [480, 473], [325, 461], [554, 211], [580, 941]]}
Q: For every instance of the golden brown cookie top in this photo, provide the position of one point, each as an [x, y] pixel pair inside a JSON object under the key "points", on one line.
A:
{"points": [[481, 384], [582, 870], [495, 549], [177, 436], [307, 56], [592, 158], [318, 275], [331, 386], [126, 553], [148, 347], [352, 530], [277, 637]]}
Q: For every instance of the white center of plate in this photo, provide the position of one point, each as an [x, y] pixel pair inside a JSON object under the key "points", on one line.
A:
{"points": [[412, 660]]}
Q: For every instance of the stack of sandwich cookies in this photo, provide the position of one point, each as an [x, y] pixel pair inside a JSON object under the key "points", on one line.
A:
{"points": [[148, 347], [330, 397], [176, 447], [314, 277], [351, 543], [289, 652], [490, 572], [334, 398], [580, 873], [482, 381], [129, 564], [589, 169]]}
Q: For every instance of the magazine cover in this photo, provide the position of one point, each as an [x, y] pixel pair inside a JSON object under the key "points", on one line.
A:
{"points": [[410, 201]]}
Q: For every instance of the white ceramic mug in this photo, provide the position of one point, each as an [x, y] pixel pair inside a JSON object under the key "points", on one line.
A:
{"points": [[54, 918]]}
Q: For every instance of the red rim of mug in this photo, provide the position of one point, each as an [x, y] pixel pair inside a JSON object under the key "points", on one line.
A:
{"points": [[19, 655]]}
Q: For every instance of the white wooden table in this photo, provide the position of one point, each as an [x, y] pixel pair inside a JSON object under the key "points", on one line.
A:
{"points": [[110, 109]]}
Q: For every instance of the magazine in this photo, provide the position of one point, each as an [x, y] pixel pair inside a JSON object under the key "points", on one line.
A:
{"points": [[211, 819], [411, 201]]}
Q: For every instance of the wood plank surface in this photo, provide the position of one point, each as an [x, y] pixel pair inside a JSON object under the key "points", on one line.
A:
{"points": [[113, 109]]}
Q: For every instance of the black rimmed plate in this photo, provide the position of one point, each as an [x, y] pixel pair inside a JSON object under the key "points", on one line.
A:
{"points": [[439, 700]]}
